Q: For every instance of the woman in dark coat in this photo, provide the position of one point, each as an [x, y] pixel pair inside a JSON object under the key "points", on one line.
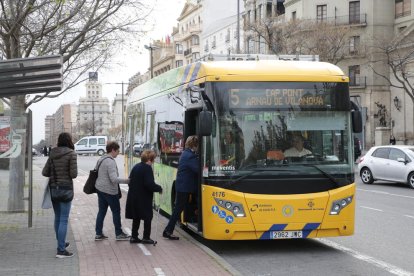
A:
{"points": [[140, 195]]}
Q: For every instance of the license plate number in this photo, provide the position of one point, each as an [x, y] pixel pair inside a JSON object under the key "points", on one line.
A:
{"points": [[286, 235]]}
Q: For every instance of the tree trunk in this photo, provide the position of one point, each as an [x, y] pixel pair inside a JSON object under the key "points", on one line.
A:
{"points": [[17, 164]]}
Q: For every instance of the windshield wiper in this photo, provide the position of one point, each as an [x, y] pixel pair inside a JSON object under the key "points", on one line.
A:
{"points": [[329, 176], [234, 181]]}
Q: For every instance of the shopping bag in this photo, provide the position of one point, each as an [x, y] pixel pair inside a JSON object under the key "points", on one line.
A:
{"points": [[46, 201]]}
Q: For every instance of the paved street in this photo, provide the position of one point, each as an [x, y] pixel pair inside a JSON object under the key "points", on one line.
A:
{"points": [[31, 251]]}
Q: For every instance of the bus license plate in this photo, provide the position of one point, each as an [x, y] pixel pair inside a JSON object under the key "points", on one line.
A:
{"points": [[286, 235]]}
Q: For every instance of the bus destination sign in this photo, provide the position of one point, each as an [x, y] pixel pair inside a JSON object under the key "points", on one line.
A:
{"points": [[262, 98]]}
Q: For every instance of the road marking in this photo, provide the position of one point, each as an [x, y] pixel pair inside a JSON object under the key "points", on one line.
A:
{"points": [[378, 263], [144, 249], [408, 216], [379, 210], [384, 193], [159, 271]]}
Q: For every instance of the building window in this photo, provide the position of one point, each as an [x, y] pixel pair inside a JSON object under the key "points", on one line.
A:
{"points": [[178, 63], [402, 8], [259, 12], [195, 40], [294, 15], [354, 45], [262, 45], [354, 12], [178, 48], [250, 45], [269, 7], [354, 75], [321, 13]]}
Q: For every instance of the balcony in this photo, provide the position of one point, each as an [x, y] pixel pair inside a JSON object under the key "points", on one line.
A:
{"points": [[358, 82], [187, 52], [352, 19]]}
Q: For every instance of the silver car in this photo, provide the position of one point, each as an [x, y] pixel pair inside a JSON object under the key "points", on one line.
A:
{"points": [[389, 163]]}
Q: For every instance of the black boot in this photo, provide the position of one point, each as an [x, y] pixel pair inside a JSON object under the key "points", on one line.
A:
{"points": [[169, 236], [134, 240]]}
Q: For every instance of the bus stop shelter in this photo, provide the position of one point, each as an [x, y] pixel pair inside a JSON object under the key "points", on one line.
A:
{"points": [[18, 77]]}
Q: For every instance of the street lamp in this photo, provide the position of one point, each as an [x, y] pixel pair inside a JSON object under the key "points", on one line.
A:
{"points": [[151, 48]]}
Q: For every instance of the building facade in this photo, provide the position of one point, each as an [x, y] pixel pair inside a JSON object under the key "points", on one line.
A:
{"points": [[93, 111]]}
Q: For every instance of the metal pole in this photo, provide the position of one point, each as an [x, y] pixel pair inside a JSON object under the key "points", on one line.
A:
{"points": [[93, 118], [30, 165], [238, 27], [122, 119]]}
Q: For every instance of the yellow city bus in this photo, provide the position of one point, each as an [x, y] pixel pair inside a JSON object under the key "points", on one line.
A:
{"points": [[250, 187]]}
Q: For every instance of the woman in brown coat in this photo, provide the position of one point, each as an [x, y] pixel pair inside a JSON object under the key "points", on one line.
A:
{"points": [[61, 167]]}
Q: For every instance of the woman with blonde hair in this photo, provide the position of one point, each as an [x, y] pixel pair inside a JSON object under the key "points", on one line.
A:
{"points": [[185, 183], [140, 195]]}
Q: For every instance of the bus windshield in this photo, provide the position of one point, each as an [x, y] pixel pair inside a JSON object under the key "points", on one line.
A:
{"points": [[279, 130]]}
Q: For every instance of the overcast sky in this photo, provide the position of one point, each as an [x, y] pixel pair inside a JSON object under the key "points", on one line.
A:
{"points": [[165, 14]]}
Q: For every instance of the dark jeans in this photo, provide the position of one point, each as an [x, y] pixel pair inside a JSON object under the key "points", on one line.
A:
{"points": [[147, 228], [181, 200], [105, 200], [62, 210]]}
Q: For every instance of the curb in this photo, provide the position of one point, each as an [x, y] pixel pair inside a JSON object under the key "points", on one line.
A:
{"points": [[221, 261]]}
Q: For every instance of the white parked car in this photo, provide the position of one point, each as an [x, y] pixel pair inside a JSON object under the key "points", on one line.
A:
{"points": [[91, 144], [394, 163]]}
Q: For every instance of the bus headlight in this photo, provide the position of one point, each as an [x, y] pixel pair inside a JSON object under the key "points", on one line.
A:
{"points": [[340, 204], [235, 207]]}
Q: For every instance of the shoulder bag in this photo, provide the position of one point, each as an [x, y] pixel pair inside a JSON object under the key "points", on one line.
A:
{"points": [[89, 187], [61, 191]]}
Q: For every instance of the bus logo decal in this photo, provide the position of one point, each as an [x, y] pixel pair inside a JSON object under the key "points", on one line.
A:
{"points": [[229, 219], [287, 211], [222, 214]]}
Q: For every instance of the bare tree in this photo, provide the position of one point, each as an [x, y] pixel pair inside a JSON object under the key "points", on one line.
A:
{"points": [[115, 132], [398, 57], [86, 33], [304, 37]]}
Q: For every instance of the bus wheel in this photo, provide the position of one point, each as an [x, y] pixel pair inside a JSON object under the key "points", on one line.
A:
{"points": [[366, 176], [410, 180]]}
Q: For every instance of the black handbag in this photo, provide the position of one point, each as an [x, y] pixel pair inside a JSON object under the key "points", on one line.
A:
{"points": [[89, 187], [61, 191]]}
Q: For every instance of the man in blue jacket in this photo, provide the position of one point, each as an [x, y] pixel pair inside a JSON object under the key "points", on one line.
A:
{"points": [[185, 183]]}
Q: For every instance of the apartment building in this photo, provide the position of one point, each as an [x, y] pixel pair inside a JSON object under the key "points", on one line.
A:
{"points": [[186, 35], [63, 120]]}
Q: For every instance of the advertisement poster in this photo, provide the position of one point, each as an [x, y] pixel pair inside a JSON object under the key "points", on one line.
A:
{"points": [[4, 133], [171, 137]]}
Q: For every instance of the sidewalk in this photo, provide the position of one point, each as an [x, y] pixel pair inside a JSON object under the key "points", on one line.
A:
{"points": [[31, 251]]}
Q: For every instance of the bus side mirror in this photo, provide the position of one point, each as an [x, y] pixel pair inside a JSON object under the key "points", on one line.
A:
{"points": [[356, 121], [205, 122]]}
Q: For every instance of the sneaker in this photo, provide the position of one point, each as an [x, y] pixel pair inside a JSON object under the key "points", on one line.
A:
{"points": [[148, 241], [100, 237], [67, 244], [63, 254], [134, 240], [122, 237], [169, 236]]}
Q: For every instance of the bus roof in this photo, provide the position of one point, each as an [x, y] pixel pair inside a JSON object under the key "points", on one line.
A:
{"points": [[257, 70]]}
